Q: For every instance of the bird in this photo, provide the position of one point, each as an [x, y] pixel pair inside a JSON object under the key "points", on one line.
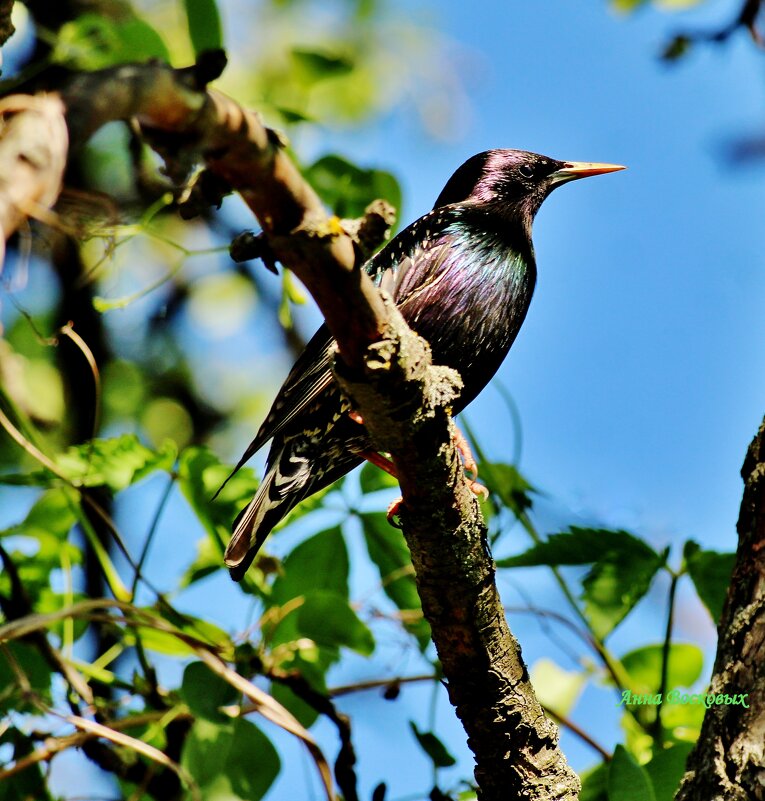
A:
{"points": [[462, 276]]}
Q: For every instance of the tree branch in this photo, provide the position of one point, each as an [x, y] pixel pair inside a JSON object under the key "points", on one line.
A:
{"points": [[404, 400], [728, 761]]}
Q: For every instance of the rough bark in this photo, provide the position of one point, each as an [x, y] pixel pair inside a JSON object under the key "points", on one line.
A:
{"points": [[403, 399], [728, 762]]}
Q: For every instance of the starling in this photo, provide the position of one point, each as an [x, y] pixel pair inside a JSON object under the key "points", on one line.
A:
{"points": [[462, 276]]}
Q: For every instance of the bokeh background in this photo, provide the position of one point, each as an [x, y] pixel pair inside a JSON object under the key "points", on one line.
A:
{"points": [[637, 378]]}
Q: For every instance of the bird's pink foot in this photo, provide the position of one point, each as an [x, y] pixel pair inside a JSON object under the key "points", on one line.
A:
{"points": [[468, 460]]}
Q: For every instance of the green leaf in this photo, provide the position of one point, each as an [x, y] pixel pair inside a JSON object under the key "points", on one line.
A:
{"points": [[710, 572], [388, 550], [204, 25], [505, 482], [623, 567], [318, 563], [317, 64], [666, 769], [556, 688], [627, 781], [327, 619], [349, 189], [93, 41], [115, 463], [595, 783], [167, 642], [626, 6], [614, 585], [204, 692], [643, 665], [433, 747], [230, 761], [372, 479], [579, 546], [31, 663]]}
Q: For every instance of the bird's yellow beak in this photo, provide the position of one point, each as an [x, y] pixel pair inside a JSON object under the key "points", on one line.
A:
{"points": [[571, 170]]}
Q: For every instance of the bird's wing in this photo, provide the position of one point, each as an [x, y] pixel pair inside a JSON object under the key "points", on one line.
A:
{"points": [[410, 264]]}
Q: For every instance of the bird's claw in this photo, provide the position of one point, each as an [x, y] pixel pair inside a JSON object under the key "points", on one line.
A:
{"points": [[479, 490], [394, 509], [468, 460]]}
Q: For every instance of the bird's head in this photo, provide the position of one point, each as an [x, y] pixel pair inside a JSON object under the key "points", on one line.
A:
{"points": [[513, 182]]}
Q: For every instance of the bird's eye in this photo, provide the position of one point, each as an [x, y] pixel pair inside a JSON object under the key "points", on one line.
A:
{"points": [[526, 170]]}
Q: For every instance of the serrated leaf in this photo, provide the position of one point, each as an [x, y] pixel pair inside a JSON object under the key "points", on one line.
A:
{"points": [[348, 189], [627, 781], [580, 546], [205, 692], [204, 25], [318, 563], [115, 463], [666, 769], [433, 747], [710, 572], [230, 761], [623, 567], [388, 550], [613, 587], [328, 620], [643, 665], [556, 688]]}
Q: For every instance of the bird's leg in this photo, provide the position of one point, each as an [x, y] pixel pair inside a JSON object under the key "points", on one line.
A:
{"points": [[387, 465], [468, 460], [379, 460]]}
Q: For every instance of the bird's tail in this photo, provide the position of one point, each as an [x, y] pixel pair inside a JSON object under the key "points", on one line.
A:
{"points": [[277, 494]]}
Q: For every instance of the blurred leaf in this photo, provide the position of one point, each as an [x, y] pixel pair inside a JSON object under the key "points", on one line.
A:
{"points": [[388, 550], [595, 783], [627, 5], [30, 783], [627, 781], [372, 479], [200, 475], [711, 574], [318, 65], [644, 666], [31, 664], [505, 482], [433, 747], [230, 761], [666, 769], [683, 721], [115, 463], [623, 567], [207, 561], [348, 189], [204, 25], [92, 42], [556, 688], [327, 619], [318, 563], [166, 642], [676, 48], [204, 692], [579, 546]]}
